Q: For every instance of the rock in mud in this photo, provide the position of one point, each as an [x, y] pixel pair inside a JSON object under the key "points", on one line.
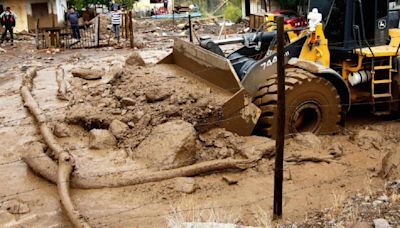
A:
{"points": [[101, 139], [16, 207], [381, 223], [308, 140], [61, 130], [169, 145], [185, 184], [230, 180], [219, 144], [368, 139], [336, 150], [126, 101], [135, 59], [118, 128], [391, 164], [88, 74], [155, 95], [255, 147]]}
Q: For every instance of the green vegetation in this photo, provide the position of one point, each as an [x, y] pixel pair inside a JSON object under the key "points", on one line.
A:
{"points": [[233, 12]]}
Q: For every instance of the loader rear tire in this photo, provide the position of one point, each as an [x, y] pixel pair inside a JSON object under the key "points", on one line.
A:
{"points": [[312, 105]]}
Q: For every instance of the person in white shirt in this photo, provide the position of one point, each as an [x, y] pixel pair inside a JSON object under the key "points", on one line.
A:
{"points": [[116, 22]]}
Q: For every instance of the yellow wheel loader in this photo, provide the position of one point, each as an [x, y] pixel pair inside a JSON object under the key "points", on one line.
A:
{"points": [[351, 56]]}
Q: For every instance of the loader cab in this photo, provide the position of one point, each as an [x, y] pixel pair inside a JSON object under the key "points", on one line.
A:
{"points": [[352, 24]]}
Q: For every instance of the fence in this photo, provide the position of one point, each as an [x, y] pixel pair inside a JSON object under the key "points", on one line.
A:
{"points": [[91, 35]]}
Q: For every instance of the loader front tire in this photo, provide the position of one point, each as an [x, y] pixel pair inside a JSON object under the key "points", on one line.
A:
{"points": [[312, 105]]}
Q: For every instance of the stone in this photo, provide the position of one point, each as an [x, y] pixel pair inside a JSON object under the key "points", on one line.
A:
{"points": [[185, 184], [126, 101], [394, 185], [255, 147], [308, 140], [169, 145], [390, 164], [381, 223], [135, 59], [377, 203], [155, 95], [61, 130], [118, 128], [15, 206], [230, 180], [138, 115], [101, 139], [384, 198], [144, 121]]}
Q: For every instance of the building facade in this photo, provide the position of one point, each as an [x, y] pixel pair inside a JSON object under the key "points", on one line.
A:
{"points": [[50, 12], [258, 6]]}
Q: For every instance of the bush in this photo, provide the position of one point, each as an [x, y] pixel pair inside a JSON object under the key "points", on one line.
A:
{"points": [[232, 12]]}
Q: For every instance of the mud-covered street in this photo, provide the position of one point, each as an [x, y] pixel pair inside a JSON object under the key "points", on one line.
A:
{"points": [[138, 119]]}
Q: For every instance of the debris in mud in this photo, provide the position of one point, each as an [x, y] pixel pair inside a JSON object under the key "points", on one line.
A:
{"points": [[61, 130], [185, 184], [126, 102], [391, 164], [219, 144], [118, 128], [169, 145], [230, 180], [101, 139], [155, 95], [257, 147], [367, 139], [15, 206], [135, 59], [308, 140], [88, 74], [373, 209]]}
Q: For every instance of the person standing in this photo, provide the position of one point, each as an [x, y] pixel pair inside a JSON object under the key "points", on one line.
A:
{"points": [[73, 18], [8, 18], [166, 6], [116, 21]]}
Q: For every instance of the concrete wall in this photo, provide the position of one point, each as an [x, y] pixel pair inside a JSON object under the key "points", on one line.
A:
{"points": [[25, 20]]}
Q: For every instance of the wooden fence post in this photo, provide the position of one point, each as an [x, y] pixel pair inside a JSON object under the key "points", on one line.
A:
{"points": [[131, 29]]}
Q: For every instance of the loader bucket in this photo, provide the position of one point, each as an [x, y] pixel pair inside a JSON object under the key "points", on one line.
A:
{"points": [[239, 115]]}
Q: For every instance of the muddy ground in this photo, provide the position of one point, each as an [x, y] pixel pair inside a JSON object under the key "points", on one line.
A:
{"points": [[142, 99]]}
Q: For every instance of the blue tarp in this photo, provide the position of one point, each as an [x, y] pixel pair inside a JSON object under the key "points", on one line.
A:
{"points": [[180, 15]]}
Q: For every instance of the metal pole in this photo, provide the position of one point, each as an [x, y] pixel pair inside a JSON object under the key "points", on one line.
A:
{"points": [[190, 29], [280, 139]]}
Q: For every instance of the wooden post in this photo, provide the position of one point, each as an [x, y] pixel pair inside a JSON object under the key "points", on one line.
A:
{"points": [[280, 139], [190, 29], [126, 26], [37, 34], [131, 29]]}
